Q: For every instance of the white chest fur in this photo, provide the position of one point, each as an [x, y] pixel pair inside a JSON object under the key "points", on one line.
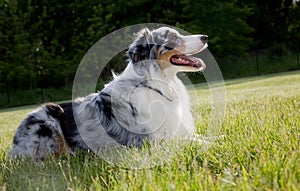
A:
{"points": [[161, 102]]}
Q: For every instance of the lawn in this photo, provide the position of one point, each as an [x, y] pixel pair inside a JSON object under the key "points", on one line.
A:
{"points": [[260, 148]]}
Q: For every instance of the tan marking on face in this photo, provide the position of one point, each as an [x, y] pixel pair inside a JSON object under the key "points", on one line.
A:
{"points": [[164, 59], [180, 48]]}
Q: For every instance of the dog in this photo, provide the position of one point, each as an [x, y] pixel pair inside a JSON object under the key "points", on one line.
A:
{"points": [[146, 103]]}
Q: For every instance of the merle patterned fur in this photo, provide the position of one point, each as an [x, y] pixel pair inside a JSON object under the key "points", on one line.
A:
{"points": [[113, 116]]}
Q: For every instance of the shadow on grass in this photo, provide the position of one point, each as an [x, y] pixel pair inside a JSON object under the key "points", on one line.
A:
{"points": [[65, 173]]}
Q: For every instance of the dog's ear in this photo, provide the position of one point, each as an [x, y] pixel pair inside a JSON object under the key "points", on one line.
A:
{"points": [[141, 48]]}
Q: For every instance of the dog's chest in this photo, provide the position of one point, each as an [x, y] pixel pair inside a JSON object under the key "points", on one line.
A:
{"points": [[162, 107]]}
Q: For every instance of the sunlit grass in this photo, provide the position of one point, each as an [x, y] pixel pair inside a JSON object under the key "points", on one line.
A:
{"points": [[259, 150]]}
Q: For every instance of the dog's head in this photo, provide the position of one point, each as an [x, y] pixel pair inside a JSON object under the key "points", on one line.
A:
{"points": [[169, 48]]}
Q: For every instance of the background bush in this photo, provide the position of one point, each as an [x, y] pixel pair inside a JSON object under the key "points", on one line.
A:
{"points": [[42, 42]]}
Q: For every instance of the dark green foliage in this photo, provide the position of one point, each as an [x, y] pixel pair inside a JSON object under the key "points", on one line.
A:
{"points": [[43, 42], [223, 21]]}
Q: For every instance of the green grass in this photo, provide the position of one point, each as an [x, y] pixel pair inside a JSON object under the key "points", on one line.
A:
{"points": [[259, 151]]}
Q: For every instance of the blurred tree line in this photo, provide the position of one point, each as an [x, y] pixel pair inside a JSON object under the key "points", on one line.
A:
{"points": [[43, 41]]}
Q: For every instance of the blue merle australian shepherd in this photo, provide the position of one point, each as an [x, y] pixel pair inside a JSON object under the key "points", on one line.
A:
{"points": [[145, 104]]}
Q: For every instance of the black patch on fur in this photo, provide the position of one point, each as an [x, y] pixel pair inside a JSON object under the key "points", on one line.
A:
{"points": [[44, 131], [139, 52], [134, 111], [113, 128], [104, 105], [31, 120], [143, 48], [69, 128], [16, 140], [166, 34], [156, 90], [54, 110], [170, 45]]}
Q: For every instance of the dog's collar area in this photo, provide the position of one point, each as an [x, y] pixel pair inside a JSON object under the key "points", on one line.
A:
{"points": [[158, 91], [155, 90]]}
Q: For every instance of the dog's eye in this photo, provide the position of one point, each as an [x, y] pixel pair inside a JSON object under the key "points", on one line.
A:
{"points": [[173, 38], [170, 45]]}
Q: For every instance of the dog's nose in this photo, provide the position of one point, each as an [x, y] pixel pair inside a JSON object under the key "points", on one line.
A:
{"points": [[204, 38]]}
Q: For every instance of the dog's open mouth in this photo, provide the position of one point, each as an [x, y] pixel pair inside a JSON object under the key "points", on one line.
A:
{"points": [[189, 61]]}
